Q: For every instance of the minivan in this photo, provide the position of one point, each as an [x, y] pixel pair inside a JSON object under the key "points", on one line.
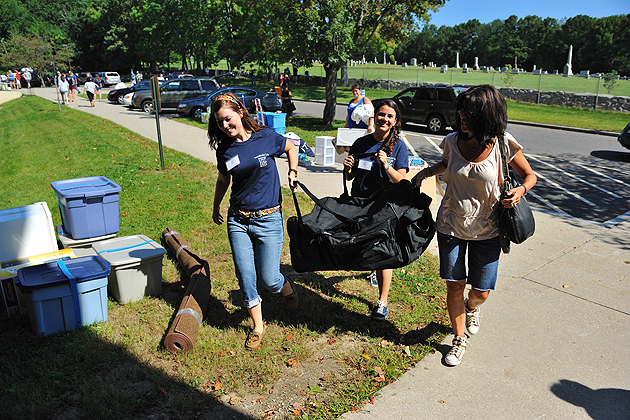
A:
{"points": [[109, 78]]}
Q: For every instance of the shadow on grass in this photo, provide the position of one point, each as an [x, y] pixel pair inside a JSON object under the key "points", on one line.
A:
{"points": [[76, 374]]}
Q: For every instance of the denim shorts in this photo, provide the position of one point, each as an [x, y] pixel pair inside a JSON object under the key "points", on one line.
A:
{"points": [[483, 261], [256, 248]]}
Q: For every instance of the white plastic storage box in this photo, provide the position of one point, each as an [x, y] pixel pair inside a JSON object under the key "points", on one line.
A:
{"points": [[89, 206], [324, 151], [136, 266], [80, 247], [26, 231], [63, 295], [347, 136]]}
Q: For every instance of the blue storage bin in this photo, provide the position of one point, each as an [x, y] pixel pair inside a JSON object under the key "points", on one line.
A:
{"points": [[89, 206], [56, 302], [275, 119], [279, 130]]}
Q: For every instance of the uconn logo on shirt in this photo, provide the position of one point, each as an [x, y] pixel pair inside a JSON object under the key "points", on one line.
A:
{"points": [[262, 159]]}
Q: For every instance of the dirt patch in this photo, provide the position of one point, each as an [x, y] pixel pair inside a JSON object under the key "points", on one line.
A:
{"points": [[301, 387]]}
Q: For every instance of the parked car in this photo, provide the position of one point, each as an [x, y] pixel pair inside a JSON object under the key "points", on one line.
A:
{"points": [[430, 105], [194, 107], [82, 77], [175, 91], [117, 95], [624, 137], [109, 78], [127, 99]]}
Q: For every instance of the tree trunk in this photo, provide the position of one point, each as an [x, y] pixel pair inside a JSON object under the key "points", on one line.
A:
{"points": [[331, 92]]}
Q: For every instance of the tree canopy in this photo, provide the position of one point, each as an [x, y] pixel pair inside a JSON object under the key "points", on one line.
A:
{"points": [[151, 34]]}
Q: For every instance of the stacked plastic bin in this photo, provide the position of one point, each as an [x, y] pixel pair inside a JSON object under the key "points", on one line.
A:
{"points": [[89, 212], [276, 121]]}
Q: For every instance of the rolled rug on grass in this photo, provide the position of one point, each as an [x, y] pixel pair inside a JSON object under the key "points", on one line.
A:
{"points": [[184, 329], [185, 326], [178, 249]]}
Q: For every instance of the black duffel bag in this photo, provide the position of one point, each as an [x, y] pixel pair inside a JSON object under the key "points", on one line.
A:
{"points": [[390, 229]]}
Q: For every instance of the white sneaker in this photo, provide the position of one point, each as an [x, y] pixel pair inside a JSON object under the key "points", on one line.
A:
{"points": [[472, 320], [454, 357]]}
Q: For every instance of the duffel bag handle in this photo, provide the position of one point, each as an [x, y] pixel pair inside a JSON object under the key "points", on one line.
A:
{"points": [[317, 201]]}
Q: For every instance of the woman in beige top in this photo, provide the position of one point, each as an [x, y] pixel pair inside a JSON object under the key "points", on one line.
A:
{"points": [[467, 220]]}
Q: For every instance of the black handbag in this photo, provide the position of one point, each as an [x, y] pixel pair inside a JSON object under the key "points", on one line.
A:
{"points": [[390, 229], [516, 224]]}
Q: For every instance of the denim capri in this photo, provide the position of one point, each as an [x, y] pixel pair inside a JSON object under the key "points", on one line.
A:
{"points": [[483, 261]]}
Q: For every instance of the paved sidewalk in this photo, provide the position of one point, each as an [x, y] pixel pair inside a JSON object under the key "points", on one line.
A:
{"points": [[554, 339]]}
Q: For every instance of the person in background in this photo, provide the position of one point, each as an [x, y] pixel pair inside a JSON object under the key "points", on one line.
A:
{"points": [[358, 99], [90, 89], [287, 103], [467, 220], [388, 162], [99, 85], [11, 78], [72, 84], [63, 88], [138, 76], [27, 78], [246, 153], [133, 78], [18, 83]]}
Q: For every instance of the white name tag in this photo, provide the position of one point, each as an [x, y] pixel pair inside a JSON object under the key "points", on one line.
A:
{"points": [[231, 163], [366, 164]]}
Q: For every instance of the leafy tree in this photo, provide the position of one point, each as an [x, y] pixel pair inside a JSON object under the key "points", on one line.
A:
{"points": [[328, 31], [31, 51], [611, 81]]}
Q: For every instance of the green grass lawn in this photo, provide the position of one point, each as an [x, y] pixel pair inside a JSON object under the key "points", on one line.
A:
{"points": [[120, 369]]}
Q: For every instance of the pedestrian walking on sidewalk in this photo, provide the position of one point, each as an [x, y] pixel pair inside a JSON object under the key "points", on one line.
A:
{"points": [[467, 220], [63, 88], [387, 161], [246, 153], [90, 89]]}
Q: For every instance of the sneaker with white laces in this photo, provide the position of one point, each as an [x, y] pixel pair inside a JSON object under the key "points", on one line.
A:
{"points": [[380, 312], [472, 320], [372, 279], [454, 357]]}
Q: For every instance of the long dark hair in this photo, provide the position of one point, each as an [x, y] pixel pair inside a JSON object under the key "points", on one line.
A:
{"points": [[216, 136], [393, 136], [486, 113]]}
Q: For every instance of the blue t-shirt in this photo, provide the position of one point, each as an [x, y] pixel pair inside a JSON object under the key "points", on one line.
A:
{"points": [[251, 164], [351, 123], [369, 174]]}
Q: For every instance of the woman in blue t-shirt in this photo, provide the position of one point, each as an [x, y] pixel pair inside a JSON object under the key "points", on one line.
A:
{"points": [[246, 154], [387, 161], [359, 100]]}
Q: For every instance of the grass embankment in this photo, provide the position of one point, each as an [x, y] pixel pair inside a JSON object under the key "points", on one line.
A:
{"points": [[119, 368]]}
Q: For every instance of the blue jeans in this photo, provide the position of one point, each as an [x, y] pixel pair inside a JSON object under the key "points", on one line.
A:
{"points": [[256, 247], [483, 261]]}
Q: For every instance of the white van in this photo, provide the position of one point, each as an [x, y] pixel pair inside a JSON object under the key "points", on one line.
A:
{"points": [[109, 78]]}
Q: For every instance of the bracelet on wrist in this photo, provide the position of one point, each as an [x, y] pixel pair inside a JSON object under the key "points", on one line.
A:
{"points": [[525, 188], [293, 170]]}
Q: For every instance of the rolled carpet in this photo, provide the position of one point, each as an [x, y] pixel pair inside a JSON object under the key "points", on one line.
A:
{"points": [[179, 250], [184, 329]]}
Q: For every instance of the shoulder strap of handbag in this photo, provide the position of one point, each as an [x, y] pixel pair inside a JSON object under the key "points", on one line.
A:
{"points": [[321, 204], [504, 165]]}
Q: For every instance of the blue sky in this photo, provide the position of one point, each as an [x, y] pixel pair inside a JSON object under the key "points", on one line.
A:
{"points": [[460, 11]]}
